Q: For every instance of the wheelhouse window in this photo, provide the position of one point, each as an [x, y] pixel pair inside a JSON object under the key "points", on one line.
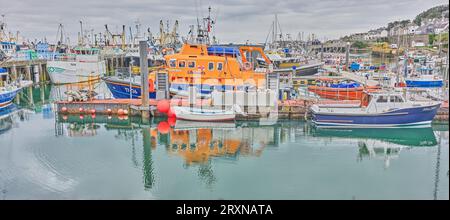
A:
{"points": [[191, 64], [210, 66], [396, 99], [382, 99], [173, 63], [220, 66], [181, 63]]}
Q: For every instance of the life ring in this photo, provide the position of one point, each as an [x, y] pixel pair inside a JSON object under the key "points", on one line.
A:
{"points": [[151, 85], [247, 66]]}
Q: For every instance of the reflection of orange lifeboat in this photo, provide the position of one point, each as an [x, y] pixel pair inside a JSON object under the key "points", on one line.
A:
{"points": [[204, 148], [328, 89]]}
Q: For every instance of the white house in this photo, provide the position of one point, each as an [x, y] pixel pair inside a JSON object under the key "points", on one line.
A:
{"points": [[376, 34], [412, 28]]}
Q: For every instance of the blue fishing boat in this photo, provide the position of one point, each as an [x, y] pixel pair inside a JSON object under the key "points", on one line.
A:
{"points": [[426, 79], [7, 92], [125, 88], [6, 122], [377, 110], [424, 83]]}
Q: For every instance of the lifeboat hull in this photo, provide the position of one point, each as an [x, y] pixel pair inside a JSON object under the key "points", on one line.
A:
{"points": [[337, 93]]}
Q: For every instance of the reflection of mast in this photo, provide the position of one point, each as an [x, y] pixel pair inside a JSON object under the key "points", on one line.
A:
{"points": [[205, 172], [438, 165], [147, 167]]}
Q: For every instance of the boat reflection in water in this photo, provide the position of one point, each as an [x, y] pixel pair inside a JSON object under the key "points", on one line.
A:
{"points": [[199, 142], [383, 144], [6, 120], [201, 145], [196, 142]]}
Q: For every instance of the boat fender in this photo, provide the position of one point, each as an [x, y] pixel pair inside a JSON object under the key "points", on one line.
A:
{"points": [[151, 85]]}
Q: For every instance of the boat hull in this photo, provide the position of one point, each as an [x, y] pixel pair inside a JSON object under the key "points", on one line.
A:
{"points": [[301, 70], [185, 113], [424, 83], [67, 72], [415, 116], [121, 90], [6, 98], [337, 93]]}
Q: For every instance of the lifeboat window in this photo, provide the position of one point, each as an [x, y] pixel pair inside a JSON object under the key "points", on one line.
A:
{"points": [[191, 64], [219, 66], [182, 64], [210, 66], [172, 63], [396, 99], [382, 99]]}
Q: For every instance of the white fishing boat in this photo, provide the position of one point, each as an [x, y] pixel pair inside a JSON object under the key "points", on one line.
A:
{"points": [[83, 65], [207, 115]]}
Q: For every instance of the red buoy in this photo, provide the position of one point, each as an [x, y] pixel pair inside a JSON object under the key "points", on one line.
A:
{"points": [[80, 110], [93, 116], [64, 109], [163, 106], [93, 111], [163, 127], [172, 121], [120, 111]]}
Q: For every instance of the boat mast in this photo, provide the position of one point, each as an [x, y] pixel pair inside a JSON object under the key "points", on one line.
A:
{"points": [[81, 33], [2, 27]]}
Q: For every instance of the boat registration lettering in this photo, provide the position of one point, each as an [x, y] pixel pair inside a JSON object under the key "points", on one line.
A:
{"points": [[429, 109], [132, 90]]}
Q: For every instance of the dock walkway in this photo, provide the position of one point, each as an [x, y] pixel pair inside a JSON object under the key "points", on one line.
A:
{"points": [[351, 76]]}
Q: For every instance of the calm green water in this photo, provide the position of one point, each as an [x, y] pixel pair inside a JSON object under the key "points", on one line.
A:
{"points": [[45, 156]]}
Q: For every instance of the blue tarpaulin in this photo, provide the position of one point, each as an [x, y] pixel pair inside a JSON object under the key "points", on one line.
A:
{"points": [[354, 66]]}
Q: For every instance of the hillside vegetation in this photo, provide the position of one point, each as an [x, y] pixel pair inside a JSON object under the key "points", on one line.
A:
{"points": [[435, 12]]}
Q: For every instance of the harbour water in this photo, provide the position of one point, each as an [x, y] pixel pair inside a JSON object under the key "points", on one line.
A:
{"points": [[47, 156]]}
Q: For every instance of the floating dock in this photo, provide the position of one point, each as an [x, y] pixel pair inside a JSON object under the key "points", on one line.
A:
{"points": [[288, 109]]}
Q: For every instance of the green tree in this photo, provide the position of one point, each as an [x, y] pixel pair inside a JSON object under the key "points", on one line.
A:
{"points": [[359, 45]]}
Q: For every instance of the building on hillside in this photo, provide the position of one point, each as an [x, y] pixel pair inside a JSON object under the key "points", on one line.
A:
{"points": [[376, 34]]}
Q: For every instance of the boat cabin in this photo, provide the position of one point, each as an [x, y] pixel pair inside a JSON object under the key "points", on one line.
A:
{"points": [[216, 65], [376, 101], [8, 47], [86, 51]]}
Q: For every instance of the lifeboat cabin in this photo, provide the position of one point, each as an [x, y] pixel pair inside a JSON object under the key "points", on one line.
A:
{"points": [[216, 68]]}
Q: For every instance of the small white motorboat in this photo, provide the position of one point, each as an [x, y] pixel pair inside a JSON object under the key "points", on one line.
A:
{"points": [[210, 115]]}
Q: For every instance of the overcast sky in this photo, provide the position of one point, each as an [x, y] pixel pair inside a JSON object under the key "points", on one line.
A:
{"points": [[236, 20]]}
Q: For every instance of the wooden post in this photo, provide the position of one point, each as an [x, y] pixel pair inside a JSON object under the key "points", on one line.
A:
{"points": [[28, 72], [144, 79], [321, 52], [41, 73], [14, 71], [347, 54], [112, 65]]}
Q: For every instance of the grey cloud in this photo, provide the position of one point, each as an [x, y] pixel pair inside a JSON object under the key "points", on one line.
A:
{"points": [[237, 20]]}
